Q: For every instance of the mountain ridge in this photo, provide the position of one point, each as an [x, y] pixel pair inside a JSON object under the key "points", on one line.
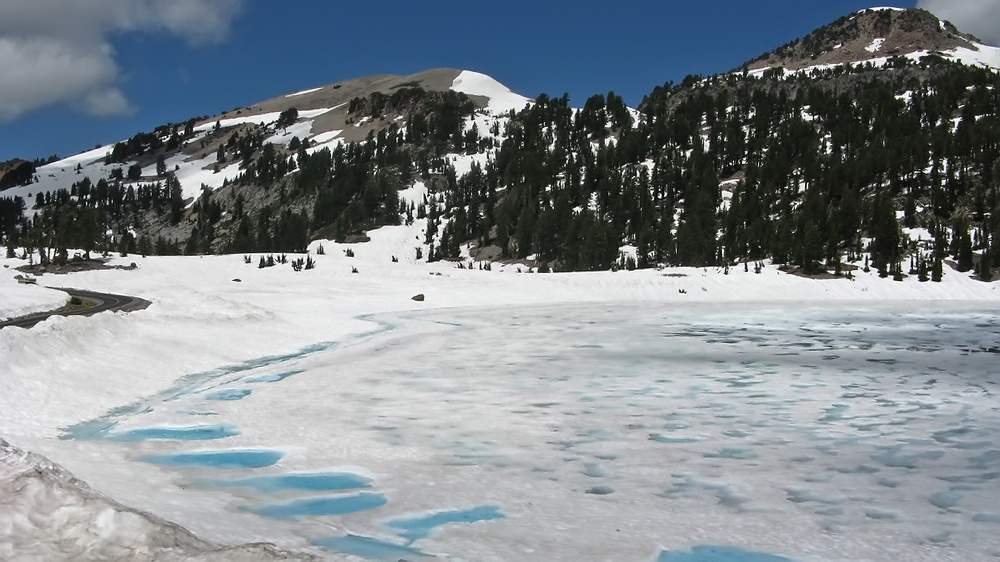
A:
{"points": [[875, 33], [333, 98]]}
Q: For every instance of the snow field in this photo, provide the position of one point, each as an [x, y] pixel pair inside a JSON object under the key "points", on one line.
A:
{"points": [[69, 370]]}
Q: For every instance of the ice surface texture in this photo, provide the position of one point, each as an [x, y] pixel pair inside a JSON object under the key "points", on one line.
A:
{"points": [[617, 432]]}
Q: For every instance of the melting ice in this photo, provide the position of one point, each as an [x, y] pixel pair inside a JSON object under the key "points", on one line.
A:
{"points": [[687, 433]]}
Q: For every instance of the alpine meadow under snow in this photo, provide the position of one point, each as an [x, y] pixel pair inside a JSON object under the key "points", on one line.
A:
{"points": [[397, 318]]}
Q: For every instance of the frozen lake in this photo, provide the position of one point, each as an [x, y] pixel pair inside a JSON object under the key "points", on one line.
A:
{"points": [[690, 433]]}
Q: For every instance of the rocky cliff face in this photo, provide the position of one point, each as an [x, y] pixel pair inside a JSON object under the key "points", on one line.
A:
{"points": [[866, 35]]}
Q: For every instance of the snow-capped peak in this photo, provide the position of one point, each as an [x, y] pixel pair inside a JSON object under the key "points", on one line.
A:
{"points": [[501, 98]]}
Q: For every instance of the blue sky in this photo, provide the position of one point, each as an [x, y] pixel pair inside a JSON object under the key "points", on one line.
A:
{"points": [[125, 66]]}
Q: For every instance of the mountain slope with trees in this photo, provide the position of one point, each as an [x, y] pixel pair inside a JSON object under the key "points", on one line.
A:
{"points": [[891, 163]]}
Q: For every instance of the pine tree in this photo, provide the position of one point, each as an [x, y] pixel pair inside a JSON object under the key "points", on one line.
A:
{"points": [[963, 243], [937, 270], [984, 267]]}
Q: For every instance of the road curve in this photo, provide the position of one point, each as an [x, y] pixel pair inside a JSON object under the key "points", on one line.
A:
{"points": [[91, 303]]}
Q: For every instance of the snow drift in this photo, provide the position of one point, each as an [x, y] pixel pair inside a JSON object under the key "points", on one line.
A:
{"points": [[47, 514]]}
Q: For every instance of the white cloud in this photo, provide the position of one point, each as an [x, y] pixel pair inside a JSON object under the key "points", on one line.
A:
{"points": [[200, 21], [54, 51], [40, 71], [978, 17]]}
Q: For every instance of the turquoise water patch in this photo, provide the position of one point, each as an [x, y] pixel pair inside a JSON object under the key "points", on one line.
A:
{"points": [[326, 505], [799, 495], [102, 430], [276, 377], [945, 500], [94, 429], [986, 460], [194, 433], [318, 482], [219, 459], [860, 469], [719, 554], [948, 435], [190, 384], [943, 536], [725, 494], [368, 547], [664, 439], [414, 528], [882, 514], [732, 453], [229, 394], [894, 456], [834, 413]]}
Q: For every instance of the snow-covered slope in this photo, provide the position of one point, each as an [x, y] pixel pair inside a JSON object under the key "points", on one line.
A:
{"points": [[323, 120], [501, 99], [978, 54]]}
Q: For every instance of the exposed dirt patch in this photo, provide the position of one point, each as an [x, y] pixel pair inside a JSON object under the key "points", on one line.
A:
{"points": [[844, 268], [72, 266]]}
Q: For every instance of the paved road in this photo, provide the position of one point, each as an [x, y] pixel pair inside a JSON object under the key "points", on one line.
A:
{"points": [[92, 303]]}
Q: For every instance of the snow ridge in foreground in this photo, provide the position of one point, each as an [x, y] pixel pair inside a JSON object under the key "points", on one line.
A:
{"points": [[46, 514]]}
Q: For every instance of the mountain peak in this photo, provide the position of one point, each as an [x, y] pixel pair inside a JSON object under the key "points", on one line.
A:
{"points": [[329, 105], [500, 97], [879, 33]]}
